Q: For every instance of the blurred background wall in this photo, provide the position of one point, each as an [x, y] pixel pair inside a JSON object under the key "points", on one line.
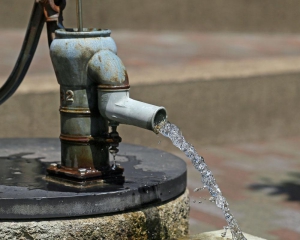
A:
{"points": [[227, 71], [268, 16]]}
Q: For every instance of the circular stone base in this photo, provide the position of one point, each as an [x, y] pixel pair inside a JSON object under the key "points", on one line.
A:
{"points": [[151, 176], [164, 221]]}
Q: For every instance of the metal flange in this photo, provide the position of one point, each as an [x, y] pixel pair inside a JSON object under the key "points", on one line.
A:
{"points": [[151, 176]]}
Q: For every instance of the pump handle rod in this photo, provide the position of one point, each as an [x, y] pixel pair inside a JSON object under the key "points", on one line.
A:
{"points": [[79, 15], [28, 49], [49, 11]]}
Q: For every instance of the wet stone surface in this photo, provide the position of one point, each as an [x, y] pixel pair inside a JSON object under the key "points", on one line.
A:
{"points": [[25, 193]]}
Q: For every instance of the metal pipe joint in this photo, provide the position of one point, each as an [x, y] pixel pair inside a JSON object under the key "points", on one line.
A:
{"points": [[107, 70]]}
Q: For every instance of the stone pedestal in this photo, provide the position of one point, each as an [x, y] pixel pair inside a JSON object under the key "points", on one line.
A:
{"points": [[152, 203], [157, 221]]}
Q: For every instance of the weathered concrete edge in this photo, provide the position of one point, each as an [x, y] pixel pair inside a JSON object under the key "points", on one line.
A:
{"points": [[208, 112], [226, 110], [165, 221], [210, 71], [254, 16]]}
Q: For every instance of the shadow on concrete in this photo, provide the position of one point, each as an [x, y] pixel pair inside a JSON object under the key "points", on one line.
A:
{"points": [[291, 187]]}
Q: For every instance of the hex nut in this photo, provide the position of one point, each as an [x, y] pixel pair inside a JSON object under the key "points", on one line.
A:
{"points": [[82, 171]]}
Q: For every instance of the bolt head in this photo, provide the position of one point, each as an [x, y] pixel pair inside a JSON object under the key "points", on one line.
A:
{"points": [[82, 171]]}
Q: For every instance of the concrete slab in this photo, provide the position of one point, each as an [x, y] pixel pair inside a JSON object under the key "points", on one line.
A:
{"points": [[159, 221], [234, 87], [216, 235], [192, 15]]}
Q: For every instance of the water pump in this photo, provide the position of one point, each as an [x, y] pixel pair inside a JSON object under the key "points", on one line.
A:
{"points": [[70, 180], [94, 94]]}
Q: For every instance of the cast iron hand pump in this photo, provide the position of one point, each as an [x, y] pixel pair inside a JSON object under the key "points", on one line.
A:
{"points": [[94, 93]]}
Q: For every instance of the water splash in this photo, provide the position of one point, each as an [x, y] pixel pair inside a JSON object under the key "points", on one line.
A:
{"points": [[114, 165], [171, 131]]}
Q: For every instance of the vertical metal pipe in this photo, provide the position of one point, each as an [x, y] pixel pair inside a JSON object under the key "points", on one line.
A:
{"points": [[79, 15]]}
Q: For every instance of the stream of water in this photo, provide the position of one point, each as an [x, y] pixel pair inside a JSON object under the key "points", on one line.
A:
{"points": [[174, 134]]}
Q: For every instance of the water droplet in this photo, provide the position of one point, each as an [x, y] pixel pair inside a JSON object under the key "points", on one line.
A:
{"points": [[223, 234], [220, 201]]}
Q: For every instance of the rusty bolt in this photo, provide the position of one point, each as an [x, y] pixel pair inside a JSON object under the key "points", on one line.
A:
{"points": [[82, 171]]}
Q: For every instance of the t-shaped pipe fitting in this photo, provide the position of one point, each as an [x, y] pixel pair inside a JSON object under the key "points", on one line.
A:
{"points": [[108, 71]]}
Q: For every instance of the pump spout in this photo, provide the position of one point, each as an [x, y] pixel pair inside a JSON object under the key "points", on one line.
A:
{"points": [[118, 107], [107, 70]]}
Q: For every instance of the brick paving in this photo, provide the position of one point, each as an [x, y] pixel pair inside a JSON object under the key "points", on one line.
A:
{"points": [[172, 55], [261, 181], [148, 48]]}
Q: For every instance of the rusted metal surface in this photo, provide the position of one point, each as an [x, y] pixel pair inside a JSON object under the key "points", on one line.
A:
{"points": [[81, 139], [112, 138], [85, 158], [82, 175], [86, 184], [51, 10], [113, 87], [84, 111]]}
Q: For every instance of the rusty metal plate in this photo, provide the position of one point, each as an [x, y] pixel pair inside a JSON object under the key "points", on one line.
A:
{"points": [[151, 176]]}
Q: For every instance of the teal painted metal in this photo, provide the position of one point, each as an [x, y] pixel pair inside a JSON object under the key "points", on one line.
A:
{"points": [[83, 129], [94, 90]]}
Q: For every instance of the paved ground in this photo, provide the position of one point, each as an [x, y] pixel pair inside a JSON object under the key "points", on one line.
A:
{"points": [[262, 179], [152, 57]]}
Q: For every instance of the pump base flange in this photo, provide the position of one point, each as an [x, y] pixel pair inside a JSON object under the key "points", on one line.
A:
{"points": [[151, 176], [85, 175]]}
